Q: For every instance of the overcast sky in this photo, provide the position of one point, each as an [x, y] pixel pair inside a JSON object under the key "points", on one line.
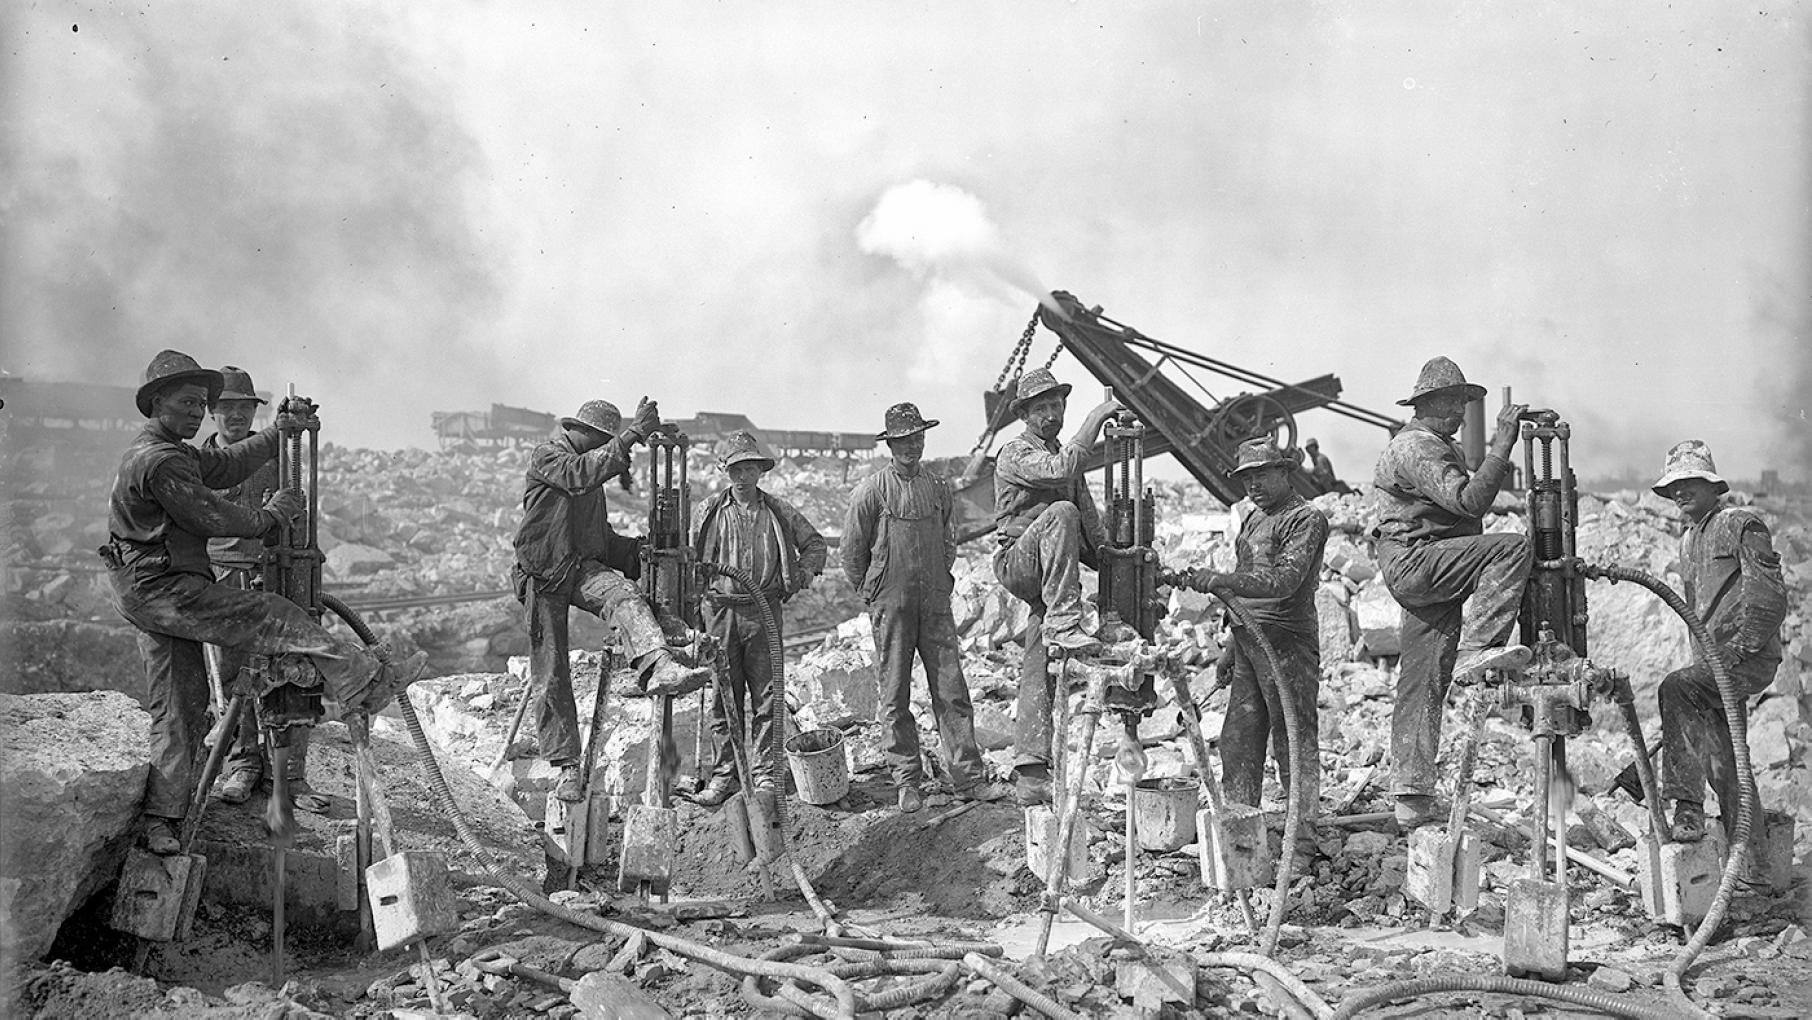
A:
{"points": [[808, 211]]}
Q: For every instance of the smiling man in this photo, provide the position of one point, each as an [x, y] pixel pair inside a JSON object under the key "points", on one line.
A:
{"points": [[1279, 552], [1434, 554], [1732, 577]]}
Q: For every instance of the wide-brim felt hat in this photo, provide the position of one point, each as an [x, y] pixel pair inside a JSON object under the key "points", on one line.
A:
{"points": [[904, 420], [1035, 384], [1689, 459], [738, 447], [237, 385], [169, 368], [599, 416], [1441, 374], [1263, 452]]}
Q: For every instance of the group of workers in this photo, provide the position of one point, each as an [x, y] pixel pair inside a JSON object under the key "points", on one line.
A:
{"points": [[188, 525]]}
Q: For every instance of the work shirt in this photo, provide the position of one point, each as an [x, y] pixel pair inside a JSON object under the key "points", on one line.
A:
{"points": [[1425, 492], [1031, 474], [771, 541], [565, 519], [242, 553], [1278, 553], [163, 508], [897, 534], [1733, 581]]}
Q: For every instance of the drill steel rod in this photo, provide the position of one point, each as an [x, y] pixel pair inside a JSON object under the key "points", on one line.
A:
{"points": [[1135, 757], [1066, 828]]}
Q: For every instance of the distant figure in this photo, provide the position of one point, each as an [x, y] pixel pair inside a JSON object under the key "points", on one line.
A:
{"points": [[1321, 469]]}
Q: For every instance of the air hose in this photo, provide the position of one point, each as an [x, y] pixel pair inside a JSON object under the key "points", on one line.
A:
{"points": [[1737, 719], [1420, 987], [793, 1001], [443, 794]]}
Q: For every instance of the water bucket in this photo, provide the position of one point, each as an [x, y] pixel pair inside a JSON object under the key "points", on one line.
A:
{"points": [[819, 765], [1166, 813]]}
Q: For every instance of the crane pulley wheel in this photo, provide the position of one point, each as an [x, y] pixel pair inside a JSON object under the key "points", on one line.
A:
{"points": [[1250, 416]]}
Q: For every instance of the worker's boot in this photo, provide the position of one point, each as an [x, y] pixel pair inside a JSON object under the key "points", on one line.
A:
{"points": [[307, 798], [1415, 810], [1470, 667], [1032, 785], [910, 799], [985, 792], [1689, 822], [718, 790], [568, 786], [160, 836], [1072, 641], [669, 679], [239, 785]]}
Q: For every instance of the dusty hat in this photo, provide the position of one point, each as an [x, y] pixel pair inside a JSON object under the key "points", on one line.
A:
{"points": [[1262, 452], [598, 416], [740, 446], [904, 420], [1035, 383], [1441, 374], [1689, 459], [237, 385], [171, 367], [1311, 444]]}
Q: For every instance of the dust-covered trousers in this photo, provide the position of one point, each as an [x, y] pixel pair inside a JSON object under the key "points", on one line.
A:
{"points": [[1032, 707], [745, 690], [1695, 736], [918, 622], [1255, 717], [175, 615], [1041, 567], [606, 594], [1431, 580], [248, 754]]}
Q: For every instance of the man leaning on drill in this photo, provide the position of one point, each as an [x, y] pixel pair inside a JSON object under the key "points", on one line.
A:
{"points": [[567, 556], [898, 548], [161, 513], [1732, 577], [1433, 553]]}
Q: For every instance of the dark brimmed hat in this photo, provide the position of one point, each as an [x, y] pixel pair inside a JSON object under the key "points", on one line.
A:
{"points": [[236, 385], [904, 420], [740, 446], [1441, 374], [1263, 452], [169, 368], [598, 416], [1034, 384], [1689, 459]]}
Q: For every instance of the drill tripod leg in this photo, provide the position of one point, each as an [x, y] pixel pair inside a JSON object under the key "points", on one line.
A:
{"points": [[1066, 828]]}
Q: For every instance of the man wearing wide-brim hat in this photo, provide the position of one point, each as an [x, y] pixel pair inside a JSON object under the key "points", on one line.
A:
{"points": [[1434, 554], [899, 545], [777, 550], [568, 556], [1732, 579], [1278, 568], [161, 513], [1047, 525]]}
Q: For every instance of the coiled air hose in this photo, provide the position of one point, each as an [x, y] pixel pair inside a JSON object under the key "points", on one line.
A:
{"points": [[817, 977], [1588, 997]]}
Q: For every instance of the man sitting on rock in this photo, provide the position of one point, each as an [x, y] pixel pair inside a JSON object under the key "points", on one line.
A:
{"points": [[1732, 577], [1046, 524], [161, 513], [1433, 553], [898, 548], [1279, 552], [567, 555], [1321, 469], [775, 547]]}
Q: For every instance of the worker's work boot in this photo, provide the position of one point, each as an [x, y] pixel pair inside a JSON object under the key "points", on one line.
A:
{"points": [[160, 836], [1073, 641], [670, 679], [239, 785], [718, 790], [1415, 810], [985, 792], [1689, 822], [910, 799], [568, 786], [1471, 666], [1032, 785], [306, 798]]}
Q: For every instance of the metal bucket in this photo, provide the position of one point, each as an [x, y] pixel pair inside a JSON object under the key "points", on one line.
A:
{"points": [[1166, 813], [819, 765]]}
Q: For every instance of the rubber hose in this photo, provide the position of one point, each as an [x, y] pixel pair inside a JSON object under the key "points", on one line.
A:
{"points": [[792, 1005], [1736, 718], [1265, 965], [1589, 997], [1286, 864], [943, 974], [845, 996], [1013, 986]]}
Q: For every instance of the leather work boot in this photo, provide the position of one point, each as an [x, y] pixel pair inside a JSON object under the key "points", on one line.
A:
{"points": [[160, 836], [1689, 822], [671, 679], [1471, 666], [1072, 642], [910, 799], [718, 790], [239, 786], [567, 787], [987, 793], [306, 798], [1415, 810], [1032, 785]]}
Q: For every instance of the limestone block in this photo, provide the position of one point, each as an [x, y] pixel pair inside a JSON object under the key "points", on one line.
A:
{"points": [[74, 767]]}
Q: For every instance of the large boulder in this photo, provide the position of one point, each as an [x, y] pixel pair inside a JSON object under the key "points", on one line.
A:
{"points": [[74, 768]]}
